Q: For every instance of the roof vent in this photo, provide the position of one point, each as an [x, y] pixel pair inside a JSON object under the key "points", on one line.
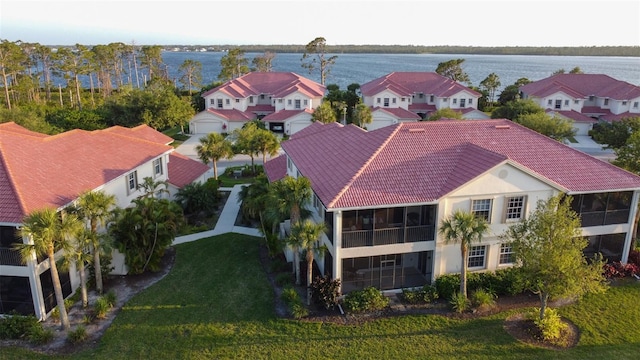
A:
{"points": [[417, 130], [503, 127]]}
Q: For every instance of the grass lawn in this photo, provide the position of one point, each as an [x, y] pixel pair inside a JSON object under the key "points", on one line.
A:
{"points": [[216, 303], [227, 179], [174, 133]]}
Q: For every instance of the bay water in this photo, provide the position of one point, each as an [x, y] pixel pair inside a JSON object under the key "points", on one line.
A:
{"points": [[362, 68]]}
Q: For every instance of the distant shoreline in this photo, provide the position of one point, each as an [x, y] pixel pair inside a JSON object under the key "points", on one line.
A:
{"points": [[626, 51]]}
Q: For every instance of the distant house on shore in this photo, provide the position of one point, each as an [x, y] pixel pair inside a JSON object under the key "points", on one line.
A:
{"points": [[283, 100], [411, 96], [585, 98]]}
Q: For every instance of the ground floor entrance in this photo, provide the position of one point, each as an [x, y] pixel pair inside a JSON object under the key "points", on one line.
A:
{"points": [[387, 272]]}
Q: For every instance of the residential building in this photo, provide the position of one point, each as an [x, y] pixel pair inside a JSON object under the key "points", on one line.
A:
{"points": [[40, 171], [584, 98], [283, 100], [411, 96], [383, 193]]}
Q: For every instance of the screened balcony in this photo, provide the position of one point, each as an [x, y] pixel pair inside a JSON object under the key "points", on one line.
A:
{"points": [[388, 226]]}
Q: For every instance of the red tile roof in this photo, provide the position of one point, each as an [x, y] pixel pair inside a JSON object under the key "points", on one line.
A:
{"points": [[283, 115], [50, 171], [142, 132], [277, 84], [422, 162], [583, 86], [276, 168], [398, 113], [408, 83], [573, 115], [183, 170]]}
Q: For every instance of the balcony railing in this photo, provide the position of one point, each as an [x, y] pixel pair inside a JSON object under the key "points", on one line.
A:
{"points": [[388, 236], [10, 256]]}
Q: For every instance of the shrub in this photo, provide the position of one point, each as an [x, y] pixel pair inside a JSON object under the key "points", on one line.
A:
{"points": [[447, 285], [551, 327], [411, 296], [39, 335], [459, 303], [111, 298], [284, 279], [77, 335], [16, 326], [634, 257], [101, 307], [483, 298], [325, 291], [368, 299], [619, 270], [509, 281], [426, 294], [296, 308]]}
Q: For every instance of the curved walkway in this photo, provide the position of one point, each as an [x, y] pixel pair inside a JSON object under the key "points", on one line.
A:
{"points": [[226, 221]]}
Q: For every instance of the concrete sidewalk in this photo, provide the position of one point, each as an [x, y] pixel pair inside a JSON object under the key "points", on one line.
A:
{"points": [[226, 221]]}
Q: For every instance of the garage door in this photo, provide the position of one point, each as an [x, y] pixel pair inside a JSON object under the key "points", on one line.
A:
{"points": [[205, 127], [297, 126]]}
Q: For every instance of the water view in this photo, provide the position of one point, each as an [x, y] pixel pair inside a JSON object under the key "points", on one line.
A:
{"points": [[362, 68]]}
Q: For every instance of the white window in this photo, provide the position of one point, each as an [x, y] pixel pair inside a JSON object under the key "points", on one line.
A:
{"points": [[566, 103], [289, 164], [470, 101], [219, 103], [393, 100], [576, 102], [558, 104], [306, 102], [506, 254], [279, 101], [237, 101], [212, 101], [514, 208], [549, 102], [251, 99], [297, 104], [477, 256], [624, 103], [462, 103], [635, 105], [455, 101], [386, 102], [420, 95], [289, 102], [132, 182], [262, 96], [482, 209], [430, 98], [157, 167], [378, 100], [606, 102]]}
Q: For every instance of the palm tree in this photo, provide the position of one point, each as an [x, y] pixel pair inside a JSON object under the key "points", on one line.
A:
{"points": [[291, 194], [288, 195], [464, 227], [214, 147], [95, 207], [49, 232], [77, 253], [304, 236]]}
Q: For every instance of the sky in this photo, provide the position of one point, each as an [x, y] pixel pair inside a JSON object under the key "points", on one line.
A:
{"points": [[339, 22]]}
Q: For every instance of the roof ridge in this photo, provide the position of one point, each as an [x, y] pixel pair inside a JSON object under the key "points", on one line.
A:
{"points": [[366, 164]]}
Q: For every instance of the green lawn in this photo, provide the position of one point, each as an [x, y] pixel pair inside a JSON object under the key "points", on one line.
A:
{"points": [[217, 304]]}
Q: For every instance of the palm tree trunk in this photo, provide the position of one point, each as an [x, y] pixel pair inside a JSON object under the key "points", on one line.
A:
{"points": [[309, 274], [83, 284], [57, 289], [463, 274], [97, 268], [296, 266], [215, 169]]}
